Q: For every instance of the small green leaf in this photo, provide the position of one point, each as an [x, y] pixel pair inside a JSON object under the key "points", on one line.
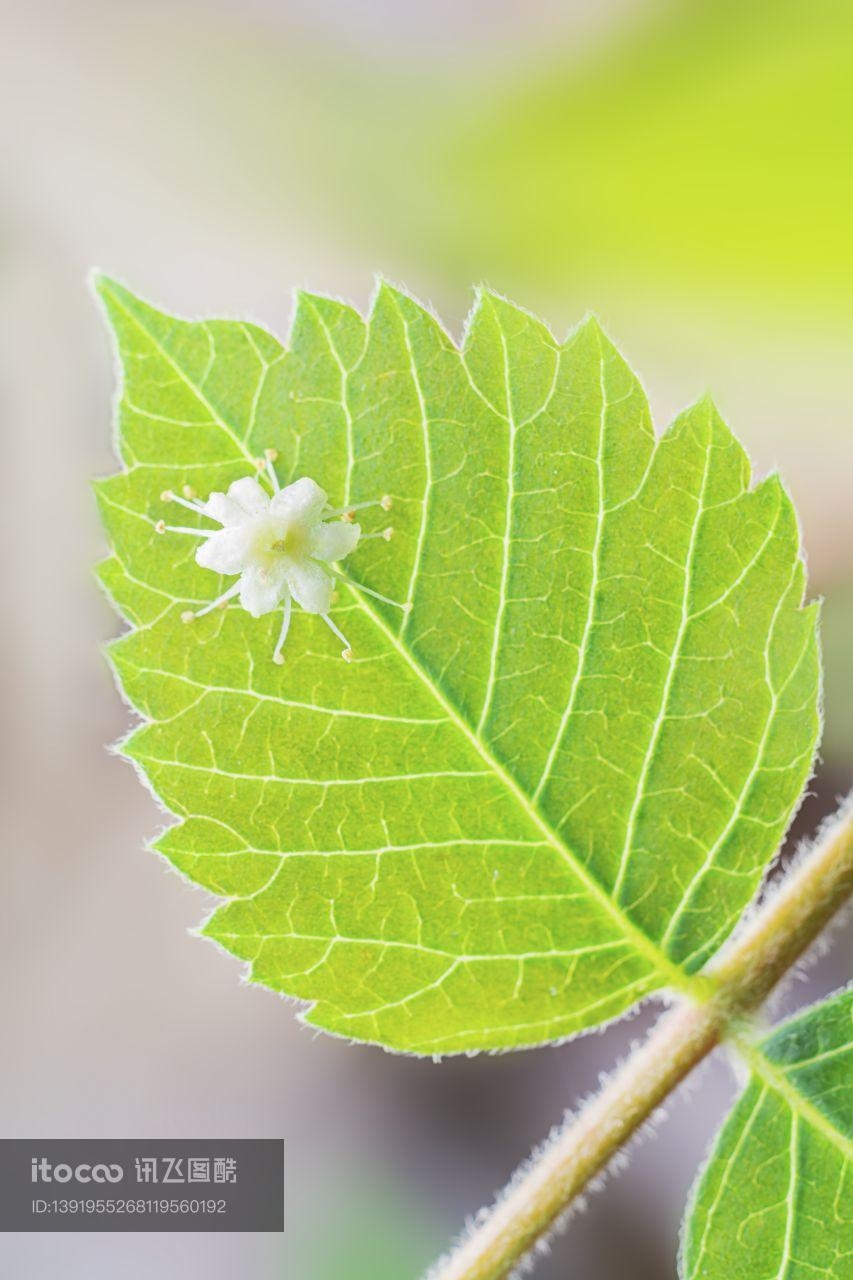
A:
{"points": [[549, 789], [776, 1197]]}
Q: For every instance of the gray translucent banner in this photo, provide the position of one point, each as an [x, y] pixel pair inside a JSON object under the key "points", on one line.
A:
{"points": [[123, 1184]]}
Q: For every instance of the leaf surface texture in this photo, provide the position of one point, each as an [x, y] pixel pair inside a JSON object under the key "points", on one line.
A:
{"points": [[775, 1200], [553, 786]]}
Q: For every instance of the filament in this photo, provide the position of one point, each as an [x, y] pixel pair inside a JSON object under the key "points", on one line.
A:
{"points": [[384, 534], [277, 655], [214, 604], [169, 495], [270, 456], [162, 527], [348, 511], [347, 651], [368, 591]]}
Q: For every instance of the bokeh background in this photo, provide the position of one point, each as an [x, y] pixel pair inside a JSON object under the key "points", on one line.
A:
{"points": [[684, 170]]}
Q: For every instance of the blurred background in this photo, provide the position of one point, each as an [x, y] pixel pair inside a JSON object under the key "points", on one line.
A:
{"points": [[682, 169]]}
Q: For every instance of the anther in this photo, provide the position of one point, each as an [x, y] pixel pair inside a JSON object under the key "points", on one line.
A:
{"points": [[187, 615], [386, 503], [160, 526], [167, 496], [347, 655], [271, 455], [348, 516], [278, 659], [188, 491]]}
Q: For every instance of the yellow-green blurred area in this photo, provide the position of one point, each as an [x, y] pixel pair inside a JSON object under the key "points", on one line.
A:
{"points": [[706, 149], [685, 170], [699, 149]]}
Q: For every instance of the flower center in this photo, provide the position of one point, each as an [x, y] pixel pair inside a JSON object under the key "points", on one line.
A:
{"points": [[290, 542], [272, 539]]}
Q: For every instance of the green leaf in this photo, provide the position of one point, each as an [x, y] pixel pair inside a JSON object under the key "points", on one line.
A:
{"points": [[775, 1198], [553, 786]]}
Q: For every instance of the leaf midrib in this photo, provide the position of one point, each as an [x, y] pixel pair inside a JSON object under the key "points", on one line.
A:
{"points": [[644, 946], [799, 1105]]}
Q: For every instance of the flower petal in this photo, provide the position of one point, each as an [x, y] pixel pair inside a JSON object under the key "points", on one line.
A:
{"points": [[249, 495], [303, 499], [225, 550], [224, 509], [311, 586], [262, 591], [334, 541]]}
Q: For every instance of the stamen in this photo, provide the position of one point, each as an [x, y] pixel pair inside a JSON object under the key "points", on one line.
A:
{"points": [[162, 527], [347, 513], [406, 606], [368, 591], [385, 535], [219, 601], [271, 456], [346, 653], [168, 495], [278, 656]]}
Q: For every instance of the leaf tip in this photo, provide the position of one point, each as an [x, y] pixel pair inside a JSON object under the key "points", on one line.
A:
{"points": [[592, 329], [591, 324], [385, 290], [103, 286], [97, 280], [705, 403]]}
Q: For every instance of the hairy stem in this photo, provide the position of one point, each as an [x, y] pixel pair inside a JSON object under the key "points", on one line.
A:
{"points": [[738, 980], [748, 968]]}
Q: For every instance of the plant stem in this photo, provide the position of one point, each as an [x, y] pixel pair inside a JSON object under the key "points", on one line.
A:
{"points": [[747, 969], [739, 978]]}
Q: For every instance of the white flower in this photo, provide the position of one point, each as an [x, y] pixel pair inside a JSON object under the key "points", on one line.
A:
{"points": [[279, 545], [283, 545]]}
